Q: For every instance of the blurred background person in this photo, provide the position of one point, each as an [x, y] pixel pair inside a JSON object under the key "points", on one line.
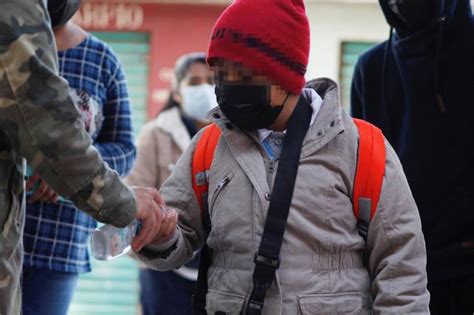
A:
{"points": [[417, 87], [161, 143], [56, 233]]}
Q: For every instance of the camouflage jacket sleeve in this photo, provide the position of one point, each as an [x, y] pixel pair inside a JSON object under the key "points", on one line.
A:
{"points": [[42, 124]]}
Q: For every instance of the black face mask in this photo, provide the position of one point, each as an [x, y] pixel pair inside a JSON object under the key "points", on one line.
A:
{"points": [[61, 11], [248, 106], [414, 14]]}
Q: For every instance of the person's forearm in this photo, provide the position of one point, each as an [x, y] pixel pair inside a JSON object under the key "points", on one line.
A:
{"points": [[159, 248], [42, 123], [169, 256]]}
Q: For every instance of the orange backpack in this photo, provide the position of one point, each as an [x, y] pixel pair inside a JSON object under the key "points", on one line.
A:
{"points": [[367, 183]]}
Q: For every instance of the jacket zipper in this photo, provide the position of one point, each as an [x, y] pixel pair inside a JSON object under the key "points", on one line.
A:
{"points": [[222, 183], [270, 170], [271, 166], [219, 189]]}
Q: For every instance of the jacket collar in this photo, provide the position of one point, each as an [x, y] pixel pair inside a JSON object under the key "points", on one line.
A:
{"points": [[329, 121], [327, 126], [170, 122]]}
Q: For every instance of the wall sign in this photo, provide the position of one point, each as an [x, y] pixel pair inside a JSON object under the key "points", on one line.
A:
{"points": [[118, 16]]}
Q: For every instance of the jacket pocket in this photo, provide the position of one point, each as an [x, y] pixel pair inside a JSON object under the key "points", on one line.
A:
{"points": [[330, 303], [223, 302], [219, 188]]}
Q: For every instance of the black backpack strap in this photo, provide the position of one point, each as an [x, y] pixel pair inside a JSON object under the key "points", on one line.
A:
{"points": [[200, 290], [205, 259], [267, 259]]}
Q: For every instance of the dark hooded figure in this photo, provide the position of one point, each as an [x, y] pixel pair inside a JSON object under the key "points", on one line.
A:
{"points": [[418, 88]]}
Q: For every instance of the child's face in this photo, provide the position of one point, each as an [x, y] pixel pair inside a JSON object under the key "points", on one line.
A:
{"points": [[246, 97], [232, 73], [228, 72]]}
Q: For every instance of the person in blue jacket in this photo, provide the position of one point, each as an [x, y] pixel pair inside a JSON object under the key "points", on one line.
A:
{"points": [[418, 88]]}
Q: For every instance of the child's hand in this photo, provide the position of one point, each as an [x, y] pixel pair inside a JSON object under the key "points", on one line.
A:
{"points": [[168, 226]]}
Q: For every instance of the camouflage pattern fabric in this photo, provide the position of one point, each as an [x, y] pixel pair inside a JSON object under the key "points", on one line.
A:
{"points": [[39, 122]]}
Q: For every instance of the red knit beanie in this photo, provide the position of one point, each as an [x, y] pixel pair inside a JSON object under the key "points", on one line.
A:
{"points": [[268, 36]]}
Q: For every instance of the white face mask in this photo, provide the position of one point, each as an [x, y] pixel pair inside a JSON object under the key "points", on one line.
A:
{"points": [[198, 100]]}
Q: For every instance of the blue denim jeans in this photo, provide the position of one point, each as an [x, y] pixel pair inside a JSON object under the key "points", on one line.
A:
{"points": [[165, 293], [47, 292]]}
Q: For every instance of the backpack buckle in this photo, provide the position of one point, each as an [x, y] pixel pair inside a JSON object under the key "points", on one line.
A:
{"points": [[202, 178], [254, 308], [266, 261]]}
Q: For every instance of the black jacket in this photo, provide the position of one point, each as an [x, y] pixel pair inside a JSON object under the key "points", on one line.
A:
{"points": [[419, 90]]}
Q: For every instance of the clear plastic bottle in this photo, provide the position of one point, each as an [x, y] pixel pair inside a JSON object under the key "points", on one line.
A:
{"points": [[108, 242]]}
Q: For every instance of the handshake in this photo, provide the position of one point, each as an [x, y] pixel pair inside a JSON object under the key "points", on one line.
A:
{"points": [[158, 222]]}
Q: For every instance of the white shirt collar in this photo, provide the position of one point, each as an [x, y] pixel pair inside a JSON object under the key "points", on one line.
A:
{"points": [[316, 102]]}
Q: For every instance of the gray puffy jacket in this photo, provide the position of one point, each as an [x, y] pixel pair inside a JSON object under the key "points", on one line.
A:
{"points": [[322, 270]]}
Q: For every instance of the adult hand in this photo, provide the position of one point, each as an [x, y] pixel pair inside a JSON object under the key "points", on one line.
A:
{"points": [[150, 214], [43, 193]]}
